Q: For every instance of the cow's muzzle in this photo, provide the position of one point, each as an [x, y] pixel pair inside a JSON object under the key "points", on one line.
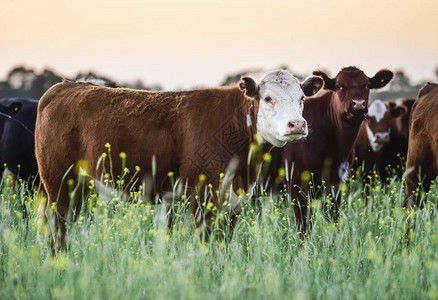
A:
{"points": [[359, 104], [382, 137], [297, 127]]}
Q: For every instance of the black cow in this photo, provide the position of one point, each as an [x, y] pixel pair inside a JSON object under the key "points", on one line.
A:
{"points": [[17, 142]]}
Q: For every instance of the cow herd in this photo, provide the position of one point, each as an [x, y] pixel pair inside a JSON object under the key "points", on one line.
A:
{"points": [[215, 142]]}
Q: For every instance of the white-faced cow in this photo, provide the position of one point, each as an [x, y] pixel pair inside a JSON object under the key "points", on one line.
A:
{"points": [[334, 118], [422, 160], [374, 134], [206, 131]]}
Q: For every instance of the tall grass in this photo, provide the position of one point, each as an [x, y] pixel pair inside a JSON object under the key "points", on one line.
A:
{"points": [[123, 250]]}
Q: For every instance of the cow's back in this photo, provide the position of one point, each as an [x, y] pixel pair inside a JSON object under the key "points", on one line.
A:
{"points": [[76, 121], [423, 124]]}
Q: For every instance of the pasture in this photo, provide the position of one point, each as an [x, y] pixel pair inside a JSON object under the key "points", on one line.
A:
{"points": [[214, 150], [123, 250]]}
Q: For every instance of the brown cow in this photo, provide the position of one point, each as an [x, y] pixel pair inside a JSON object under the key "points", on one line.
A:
{"points": [[205, 131], [334, 119], [374, 134], [422, 160], [394, 154]]}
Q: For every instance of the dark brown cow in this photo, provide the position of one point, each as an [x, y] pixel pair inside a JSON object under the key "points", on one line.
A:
{"points": [[422, 160], [394, 154], [374, 134], [334, 119], [206, 131]]}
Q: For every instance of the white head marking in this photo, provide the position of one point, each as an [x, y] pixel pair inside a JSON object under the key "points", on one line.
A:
{"points": [[375, 146], [285, 106], [377, 109]]}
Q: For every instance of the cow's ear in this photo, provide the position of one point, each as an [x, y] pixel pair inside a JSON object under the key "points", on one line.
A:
{"points": [[329, 83], [312, 85], [409, 102], [391, 104], [425, 89], [398, 111], [248, 85], [12, 108], [382, 78]]}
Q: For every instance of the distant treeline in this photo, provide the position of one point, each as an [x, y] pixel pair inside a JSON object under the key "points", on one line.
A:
{"points": [[25, 82]]}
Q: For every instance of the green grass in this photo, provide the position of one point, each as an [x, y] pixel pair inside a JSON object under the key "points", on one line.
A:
{"points": [[123, 250]]}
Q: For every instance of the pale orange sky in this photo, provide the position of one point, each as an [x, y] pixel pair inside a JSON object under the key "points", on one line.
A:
{"points": [[198, 42]]}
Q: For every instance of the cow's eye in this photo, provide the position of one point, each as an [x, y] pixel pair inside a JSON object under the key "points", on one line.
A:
{"points": [[268, 99], [338, 87]]}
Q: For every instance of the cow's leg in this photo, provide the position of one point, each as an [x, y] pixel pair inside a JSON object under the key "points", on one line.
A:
{"points": [[303, 220], [298, 218], [170, 215], [233, 222], [427, 182], [332, 208], [56, 214], [198, 216], [296, 205], [172, 205], [306, 214], [411, 185], [205, 219], [413, 188], [302, 212], [64, 202], [415, 191], [77, 197], [422, 167]]}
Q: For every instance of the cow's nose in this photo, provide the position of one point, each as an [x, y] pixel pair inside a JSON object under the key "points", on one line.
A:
{"points": [[358, 104], [297, 126], [382, 137]]}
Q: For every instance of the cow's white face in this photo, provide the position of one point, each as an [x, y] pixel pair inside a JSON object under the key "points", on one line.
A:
{"points": [[377, 110], [378, 125], [281, 103]]}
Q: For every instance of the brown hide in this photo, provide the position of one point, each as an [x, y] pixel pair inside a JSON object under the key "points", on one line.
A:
{"points": [[422, 159], [334, 118], [393, 159], [189, 133], [400, 125]]}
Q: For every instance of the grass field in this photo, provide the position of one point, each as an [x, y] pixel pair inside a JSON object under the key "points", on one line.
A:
{"points": [[124, 251]]}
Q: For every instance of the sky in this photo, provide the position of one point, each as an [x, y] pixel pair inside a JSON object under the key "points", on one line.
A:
{"points": [[186, 43]]}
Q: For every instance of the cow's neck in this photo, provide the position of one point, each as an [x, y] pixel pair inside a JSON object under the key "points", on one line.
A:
{"points": [[349, 123], [346, 126], [253, 150]]}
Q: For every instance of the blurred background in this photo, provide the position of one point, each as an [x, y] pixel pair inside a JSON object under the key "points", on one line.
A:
{"points": [[171, 44]]}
